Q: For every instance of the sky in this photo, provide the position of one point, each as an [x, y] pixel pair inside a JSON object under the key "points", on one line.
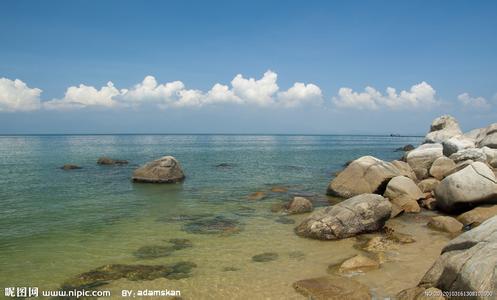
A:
{"points": [[286, 67]]}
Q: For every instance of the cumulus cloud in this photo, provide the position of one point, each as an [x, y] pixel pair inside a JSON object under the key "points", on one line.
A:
{"points": [[473, 102], [15, 95], [419, 95], [249, 91]]}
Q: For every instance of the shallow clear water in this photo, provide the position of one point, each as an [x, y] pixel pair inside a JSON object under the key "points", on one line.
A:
{"points": [[55, 224]]}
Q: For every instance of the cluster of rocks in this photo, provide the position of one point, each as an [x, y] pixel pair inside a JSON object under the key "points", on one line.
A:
{"points": [[107, 161], [452, 172]]}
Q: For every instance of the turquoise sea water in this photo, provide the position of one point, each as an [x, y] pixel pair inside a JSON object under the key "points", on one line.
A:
{"points": [[55, 224]]}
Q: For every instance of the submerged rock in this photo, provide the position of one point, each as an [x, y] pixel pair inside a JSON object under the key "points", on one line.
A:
{"points": [[215, 225], [107, 273], [359, 214], [358, 263], [474, 185], [284, 220], [179, 244], [332, 288], [477, 215], [110, 161], [230, 269], [445, 223], [364, 175], [265, 257], [279, 189], [255, 196], [298, 255], [163, 170], [467, 263], [153, 251], [299, 205], [70, 167], [184, 218]]}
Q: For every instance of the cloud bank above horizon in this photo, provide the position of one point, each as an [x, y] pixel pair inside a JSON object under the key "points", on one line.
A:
{"points": [[17, 96]]}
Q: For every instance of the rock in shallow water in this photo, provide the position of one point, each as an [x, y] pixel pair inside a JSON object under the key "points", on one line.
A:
{"points": [[358, 263], [445, 223], [265, 257], [163, 170], [215, 225], [359, 214], [477, 215], [299, 205], [332, 288], [110, 161], [70, 167], [153, 251]]}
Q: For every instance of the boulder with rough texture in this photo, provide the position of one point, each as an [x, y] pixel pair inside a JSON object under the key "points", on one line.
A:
{"points": [[474, 154], [358, 263], [404, 193], [428, 185], [359, 214], [474, 185], [477, 215], [441, 166], [332, 288], [442, 128], [364, 175], [467, 263], [163, 170], [445, 223], [457, 143], [491, 156], [404, 169], [421, 158], [488, 136], [299, 205]]}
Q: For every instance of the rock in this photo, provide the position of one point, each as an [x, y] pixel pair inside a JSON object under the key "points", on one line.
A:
{"points": [[459, 166], [279, 189], [359, 214], [364, 175], [405, 148], [297, 255], [224, 166], [154, 251], [421, 158], [299, 205], [443, 128], [163, 170], [179, 244], [358, 263], [477, 215], [332, 288], [379, 244], [429, 203], [403, 192], [473, 154], [109, 161], [404, 169], [255, 196], [474, 185], [284, 220], [277, 207], [488, 137], [265, 257], [402, 238], [445, 223], [473, 134], [230, 269], [428, 185], [467, 263], [491, 156], [441, 166], [215, 225], [457, 143], [67, 167]]}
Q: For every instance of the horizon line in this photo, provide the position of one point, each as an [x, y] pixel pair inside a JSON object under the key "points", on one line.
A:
{"points": [[229, 134]]}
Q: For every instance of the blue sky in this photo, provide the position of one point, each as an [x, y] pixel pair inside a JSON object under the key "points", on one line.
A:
{"points": [[442, 54]]}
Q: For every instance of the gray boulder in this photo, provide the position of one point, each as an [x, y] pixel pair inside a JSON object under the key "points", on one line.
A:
{"points": [[488, 137], [442, 128], [421, 158], [163, 170], [367, 174], [474, 154], [457, 143], [404, 193], [467, 263], [359, 214], [474, 185]]}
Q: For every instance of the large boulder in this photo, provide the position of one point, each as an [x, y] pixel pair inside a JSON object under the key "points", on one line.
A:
{"points": [[477, 215], [474, 185], [491, 155], [428, 185], [404, 193], [163, 170], [441, 166], [467, 263], [404, 169], [445, 223], [474, 154], [488, 137], [367, 174], [442, 128], [421, 158], [457, 143], [359, 214]]}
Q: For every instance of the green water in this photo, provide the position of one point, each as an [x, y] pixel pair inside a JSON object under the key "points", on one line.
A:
{"points": [[55, 224]]}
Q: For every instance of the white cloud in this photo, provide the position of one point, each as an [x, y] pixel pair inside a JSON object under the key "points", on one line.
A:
{"points": [[473, 102], [301, 94], [15, 95], [419, 95], [259, 92], [85, 96]]}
